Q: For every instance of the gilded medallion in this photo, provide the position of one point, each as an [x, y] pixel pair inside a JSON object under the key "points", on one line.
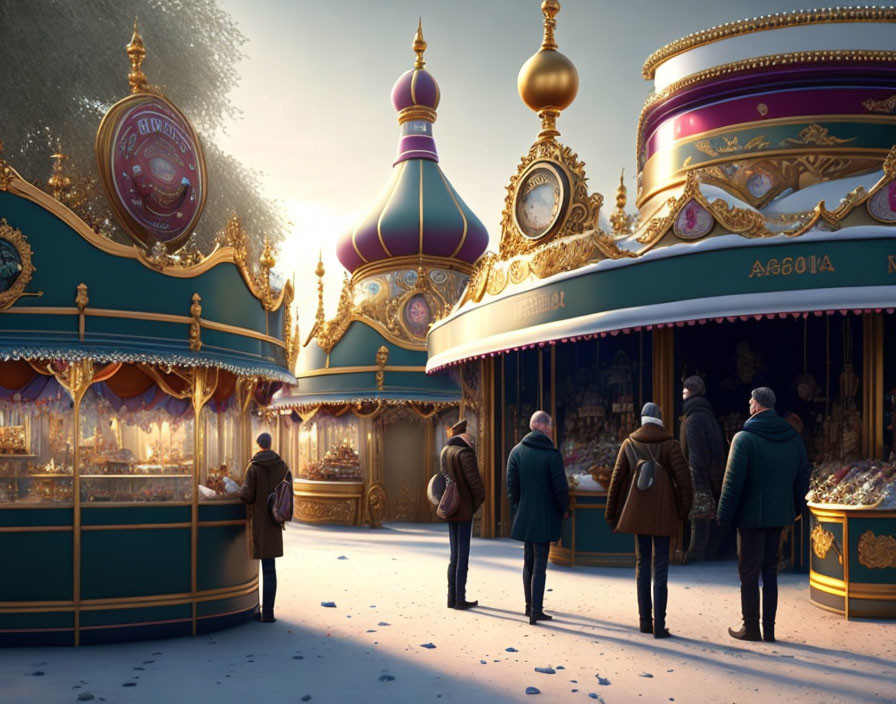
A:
{"points": [[16, 269], [540, 200]]}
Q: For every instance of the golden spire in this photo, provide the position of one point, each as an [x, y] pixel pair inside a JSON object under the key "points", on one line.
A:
{"points": [[548, 81], [549, 8], [58, 181], [419, 45], [136, 53], [320, 319], [620, 220]]}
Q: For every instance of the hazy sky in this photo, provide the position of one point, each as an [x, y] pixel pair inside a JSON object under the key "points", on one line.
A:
{"points": [[318, 120]]}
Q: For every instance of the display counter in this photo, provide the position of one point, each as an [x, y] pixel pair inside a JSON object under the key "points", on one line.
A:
{"points": [[332, 502], [587, 539], [853, 560]]}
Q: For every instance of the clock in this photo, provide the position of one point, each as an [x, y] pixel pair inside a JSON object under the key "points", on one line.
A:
{"points": [[540, 199]]}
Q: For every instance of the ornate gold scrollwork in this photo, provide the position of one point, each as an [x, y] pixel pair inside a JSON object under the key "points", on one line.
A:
{"points": [[14, 275], [329, 510], [822, 541], [289, 332], [376, 504], [81, 301], [6, 171], [195, 323], [877, 551], [382, 356]]}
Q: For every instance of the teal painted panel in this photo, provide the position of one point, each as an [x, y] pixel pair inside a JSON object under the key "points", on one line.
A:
{"points": [[874, 535], [359, 344], [687, 276], [124, 563], [39, 619], [593, 533], [37, 566], [440, 214], [112, 617], [225, 511], [134, 515], [226, 606], [224, 557], [36, 516], [831, 565]]}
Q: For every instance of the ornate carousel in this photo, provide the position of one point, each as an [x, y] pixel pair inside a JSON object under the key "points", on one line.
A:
{"points": [[127, 377], [763, 252], [365, 424]]}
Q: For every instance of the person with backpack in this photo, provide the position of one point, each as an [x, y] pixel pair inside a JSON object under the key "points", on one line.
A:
{"points": [[267, 489], [650, 492], [458, 463]]}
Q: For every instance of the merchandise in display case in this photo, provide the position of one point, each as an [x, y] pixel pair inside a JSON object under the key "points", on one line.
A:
{"points": [[328, 449], [862, 483], [144, 455], [221, 474]]}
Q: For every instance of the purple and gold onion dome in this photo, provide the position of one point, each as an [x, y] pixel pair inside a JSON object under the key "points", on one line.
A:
{"points": [[418, 213], [415, 88]]}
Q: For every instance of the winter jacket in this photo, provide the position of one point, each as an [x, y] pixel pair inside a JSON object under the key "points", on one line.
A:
{"points": [[537, 489], [673, 463], [767, 476], [703, 445], [458, 461], [266, 471]]}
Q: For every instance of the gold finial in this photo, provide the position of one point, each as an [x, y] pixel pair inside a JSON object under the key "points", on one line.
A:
{"points": [[620, 220], [548, 81], [419, 45], [267, 260], [58, 181], [136, 53], [549, 8], [320, 318]]}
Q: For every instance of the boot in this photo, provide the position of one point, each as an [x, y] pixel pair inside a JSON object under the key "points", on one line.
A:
{"points": [[538, 615], [463, 605], [646, 625], [768, 632], [660, 630], [528, 611], [746, 632]]}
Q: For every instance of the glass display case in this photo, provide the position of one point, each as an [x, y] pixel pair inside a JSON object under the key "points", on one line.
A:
{"points": [[145, 455], [36, 462], [223, 468], [328, 448]]}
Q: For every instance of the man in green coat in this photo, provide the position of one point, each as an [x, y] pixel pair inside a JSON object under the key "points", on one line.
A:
{"points": [[539, 498], [764, 489]]}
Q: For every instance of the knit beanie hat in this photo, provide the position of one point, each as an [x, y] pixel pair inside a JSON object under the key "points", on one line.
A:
{"points": [[651, 413], [695, 385], [764, 396]]}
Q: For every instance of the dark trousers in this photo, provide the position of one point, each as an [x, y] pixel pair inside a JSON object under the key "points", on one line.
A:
{"points": [[758, 553], [535, 565], [269, 587], [652, 555], [459, 538]]}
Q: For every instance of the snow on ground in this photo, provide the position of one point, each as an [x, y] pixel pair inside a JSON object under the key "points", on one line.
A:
{"points": [[390, 638]]}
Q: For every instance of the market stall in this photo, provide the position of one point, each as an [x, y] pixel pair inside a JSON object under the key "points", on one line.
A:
{"points": [[127, 376]]}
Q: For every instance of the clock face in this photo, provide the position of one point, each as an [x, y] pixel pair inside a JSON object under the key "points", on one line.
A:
{"points": [[539, 200]]}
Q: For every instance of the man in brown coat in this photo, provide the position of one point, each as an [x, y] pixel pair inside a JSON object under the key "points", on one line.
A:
{"points": [[458, 463], [654, 513], [266, 470]]}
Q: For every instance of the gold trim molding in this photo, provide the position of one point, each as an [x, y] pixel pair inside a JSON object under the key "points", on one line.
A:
{"points": [[877, 551], [759, 24]]}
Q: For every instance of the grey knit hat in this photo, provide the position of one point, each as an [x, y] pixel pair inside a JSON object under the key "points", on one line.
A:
{"points": [[764, 396], [695, 385], [651, 413]]}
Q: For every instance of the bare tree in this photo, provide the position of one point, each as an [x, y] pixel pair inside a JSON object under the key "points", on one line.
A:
{"points": [[64, 64]]}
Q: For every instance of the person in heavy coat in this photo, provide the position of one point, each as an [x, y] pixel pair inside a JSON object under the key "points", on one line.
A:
{"points": [[266, 470], [458, 462], [703, 445], [654, 514], [539, 499], [764, 489]]}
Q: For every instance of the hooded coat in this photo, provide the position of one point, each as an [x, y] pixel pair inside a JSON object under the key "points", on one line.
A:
{"points": [[703, 445], [266, 471], [670, 458], [767, 476], [537, 489], [458, 461]]}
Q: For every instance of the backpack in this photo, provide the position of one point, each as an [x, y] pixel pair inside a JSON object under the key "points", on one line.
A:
{"points": [[644, 469], [280, 501]]}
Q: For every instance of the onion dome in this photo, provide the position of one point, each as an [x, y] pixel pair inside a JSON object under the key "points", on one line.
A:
{"points": [[418, 214]]}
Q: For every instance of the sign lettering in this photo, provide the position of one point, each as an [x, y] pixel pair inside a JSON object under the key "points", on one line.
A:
{"points": [[798, 265], [537, 303]]}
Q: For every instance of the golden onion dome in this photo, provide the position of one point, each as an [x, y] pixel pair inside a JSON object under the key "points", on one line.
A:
{"points": [[548, 80]]}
